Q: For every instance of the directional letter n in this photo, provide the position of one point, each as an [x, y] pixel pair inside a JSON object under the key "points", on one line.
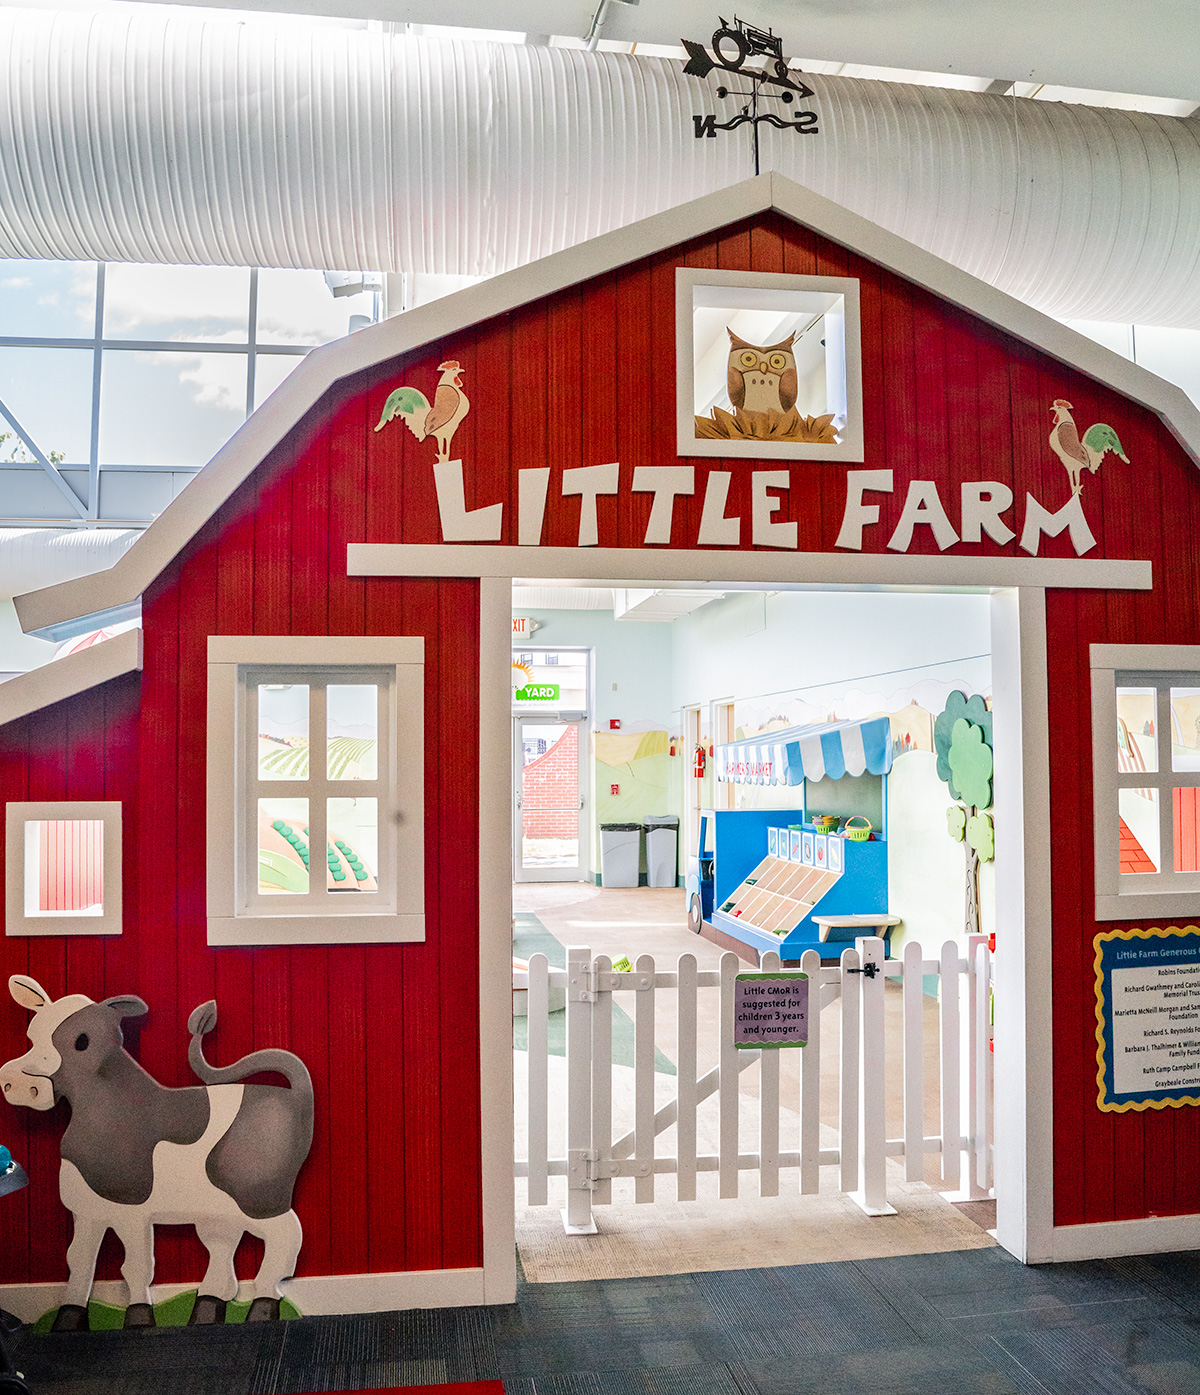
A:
{"points": [[705, 126]]}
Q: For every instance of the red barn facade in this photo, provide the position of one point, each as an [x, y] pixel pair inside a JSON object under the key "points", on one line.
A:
{"points": [[320, 519]]}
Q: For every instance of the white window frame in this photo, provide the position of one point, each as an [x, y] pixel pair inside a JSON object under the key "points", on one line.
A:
{"points": [[694, 287], [237, 914], [1167, 894], [17, 815]]}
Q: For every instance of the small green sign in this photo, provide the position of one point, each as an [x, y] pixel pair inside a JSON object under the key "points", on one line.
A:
{"points": [[538, 692]]}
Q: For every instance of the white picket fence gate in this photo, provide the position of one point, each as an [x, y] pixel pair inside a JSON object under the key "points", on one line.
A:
{"points": [[593, 1157]]}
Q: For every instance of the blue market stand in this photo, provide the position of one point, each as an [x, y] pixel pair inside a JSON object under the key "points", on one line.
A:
{"points": [[764, 877]]}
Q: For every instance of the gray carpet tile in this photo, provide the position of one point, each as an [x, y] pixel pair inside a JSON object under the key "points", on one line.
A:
{"points": [[972, 1322]]}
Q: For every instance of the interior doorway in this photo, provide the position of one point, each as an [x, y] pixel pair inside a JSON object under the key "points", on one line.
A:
{"points": [[550, 799], [716, 665]]}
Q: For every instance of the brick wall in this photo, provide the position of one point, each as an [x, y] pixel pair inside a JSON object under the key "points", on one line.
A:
{"points": [[551, 782]]}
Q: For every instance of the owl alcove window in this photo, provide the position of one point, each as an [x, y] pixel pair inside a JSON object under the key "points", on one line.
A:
{"points": [[768, 367]]}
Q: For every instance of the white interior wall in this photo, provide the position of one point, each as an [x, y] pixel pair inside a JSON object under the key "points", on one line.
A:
{"points": [[811, 654], [829, 644], [856, 652]]}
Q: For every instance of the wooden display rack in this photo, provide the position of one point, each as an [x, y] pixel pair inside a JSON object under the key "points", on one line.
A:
{"points": [[778, 894]]}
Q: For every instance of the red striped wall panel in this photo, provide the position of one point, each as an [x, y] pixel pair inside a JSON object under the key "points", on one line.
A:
{"points": [[70, 864]]}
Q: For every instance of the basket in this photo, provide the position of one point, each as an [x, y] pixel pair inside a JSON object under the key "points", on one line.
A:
{"points": [[857, 829], [826, 823]]}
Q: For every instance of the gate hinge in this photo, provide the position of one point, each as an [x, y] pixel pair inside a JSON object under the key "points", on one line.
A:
{"points": [[581, 987], [581, 1169], [585, 983], [586, 1169]]}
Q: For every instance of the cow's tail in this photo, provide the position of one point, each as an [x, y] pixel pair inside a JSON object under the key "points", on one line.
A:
{"points": [[291, 1067]]}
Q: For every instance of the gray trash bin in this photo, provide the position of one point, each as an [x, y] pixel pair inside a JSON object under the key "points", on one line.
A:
{"points": [[620, 853], [662, 832]]}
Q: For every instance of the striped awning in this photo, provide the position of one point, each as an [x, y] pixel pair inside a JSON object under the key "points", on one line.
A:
{"points": [[824, 750]]}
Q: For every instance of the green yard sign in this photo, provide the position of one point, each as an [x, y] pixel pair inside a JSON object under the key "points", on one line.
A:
{"points": [[538, 692]]}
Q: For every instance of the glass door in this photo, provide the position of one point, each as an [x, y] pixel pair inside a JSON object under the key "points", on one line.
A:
{"points": [[548, 790]]}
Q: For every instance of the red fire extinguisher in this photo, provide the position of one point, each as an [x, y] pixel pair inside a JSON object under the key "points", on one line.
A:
{"points": [[698, 763]]}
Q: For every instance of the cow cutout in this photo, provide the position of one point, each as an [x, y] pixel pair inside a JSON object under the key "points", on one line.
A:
{"points": [[222, 1156]]}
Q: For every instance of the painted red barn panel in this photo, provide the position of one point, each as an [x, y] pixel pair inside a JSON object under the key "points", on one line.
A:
{"points": [[584, 377], [587, 376]]}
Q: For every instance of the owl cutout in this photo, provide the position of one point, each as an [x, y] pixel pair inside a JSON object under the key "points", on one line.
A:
{"points": [[761, 379]]}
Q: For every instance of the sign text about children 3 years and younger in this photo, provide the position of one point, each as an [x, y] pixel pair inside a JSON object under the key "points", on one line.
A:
{"points": [[770, 1010]]}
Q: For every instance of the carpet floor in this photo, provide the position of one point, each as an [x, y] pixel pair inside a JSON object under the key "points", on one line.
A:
{"points": [[974, 1322]]}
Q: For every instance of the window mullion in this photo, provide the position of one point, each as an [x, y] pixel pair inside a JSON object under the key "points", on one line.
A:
{"points": [[247, 835], [1166, 820], [318, 786]]}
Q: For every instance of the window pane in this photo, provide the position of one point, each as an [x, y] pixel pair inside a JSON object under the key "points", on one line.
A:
{"points": [[177, 302], [353, 726], [297, 307], [1185, 823], [1185, 728], [1140, 851], [64, 867], [797, 337], [1137, 746], [556, 678], [549, 840], [283, 731], [549, 794], [49, 391], [283, 847], [269, 371], [170, 408], [47, 300], [352, 853]]}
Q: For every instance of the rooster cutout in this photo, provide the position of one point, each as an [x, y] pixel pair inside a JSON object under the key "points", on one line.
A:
{"points": [[1079, 455], [441, 420]]}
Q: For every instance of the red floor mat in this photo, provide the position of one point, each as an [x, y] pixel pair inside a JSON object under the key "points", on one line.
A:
{"points": [[471, 1387]]}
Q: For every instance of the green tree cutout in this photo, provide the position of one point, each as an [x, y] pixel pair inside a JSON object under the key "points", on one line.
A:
{"points": [[962, 737]]}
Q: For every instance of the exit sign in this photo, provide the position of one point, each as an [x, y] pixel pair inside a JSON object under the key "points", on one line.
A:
{"points": [[523, 626], [537, 692]]}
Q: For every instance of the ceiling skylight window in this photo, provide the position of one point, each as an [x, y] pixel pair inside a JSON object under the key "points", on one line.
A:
{"points": [[125, 379]]}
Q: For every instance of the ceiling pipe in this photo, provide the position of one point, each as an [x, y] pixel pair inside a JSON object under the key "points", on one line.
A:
{"points": [[34, 557], [145, 134]]}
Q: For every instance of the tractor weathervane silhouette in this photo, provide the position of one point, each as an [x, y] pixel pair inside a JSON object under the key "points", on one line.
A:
{"points": [[732, 45]]}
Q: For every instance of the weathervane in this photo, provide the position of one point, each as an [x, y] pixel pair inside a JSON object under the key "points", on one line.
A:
{"points": [[731, 46]]}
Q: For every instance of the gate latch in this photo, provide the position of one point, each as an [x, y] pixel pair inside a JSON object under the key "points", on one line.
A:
{"points": [[870, 969]]}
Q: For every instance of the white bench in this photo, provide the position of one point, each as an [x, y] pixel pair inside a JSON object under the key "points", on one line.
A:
{"points": [[872, 923]]}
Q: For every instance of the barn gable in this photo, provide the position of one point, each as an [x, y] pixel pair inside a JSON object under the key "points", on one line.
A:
{"points": [[928, 319], [570, 366]]}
